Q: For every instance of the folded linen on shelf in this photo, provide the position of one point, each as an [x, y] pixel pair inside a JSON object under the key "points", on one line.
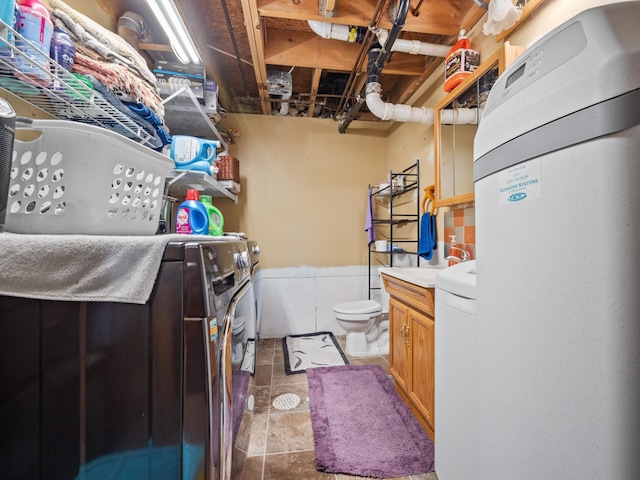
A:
{"points": [[87, 32], [87, 268], [116, 78]]}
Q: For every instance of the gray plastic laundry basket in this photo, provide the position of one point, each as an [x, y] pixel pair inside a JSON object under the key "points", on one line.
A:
{"points": [[82, 179]]}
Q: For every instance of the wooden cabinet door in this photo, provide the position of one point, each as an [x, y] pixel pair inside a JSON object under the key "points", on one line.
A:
{"points": [[398, 349], [422, 345]]}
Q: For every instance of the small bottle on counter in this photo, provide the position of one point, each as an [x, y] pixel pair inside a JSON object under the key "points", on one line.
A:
{"points": [[452, 244], [192, 216]]}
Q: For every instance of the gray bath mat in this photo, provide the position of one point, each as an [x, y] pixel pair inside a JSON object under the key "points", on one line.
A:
{"points": [[311, 350]]}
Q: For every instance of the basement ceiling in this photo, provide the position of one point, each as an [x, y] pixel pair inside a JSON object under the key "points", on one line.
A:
{"points": [[244, 43]]}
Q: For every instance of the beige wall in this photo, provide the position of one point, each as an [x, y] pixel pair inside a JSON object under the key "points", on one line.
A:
{"points": [[304, 188]]}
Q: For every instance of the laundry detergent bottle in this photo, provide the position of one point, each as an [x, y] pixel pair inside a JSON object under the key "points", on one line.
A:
{"points": [[460, 62], [34, 24], [193, 153], [192, 216], [216, 220]]}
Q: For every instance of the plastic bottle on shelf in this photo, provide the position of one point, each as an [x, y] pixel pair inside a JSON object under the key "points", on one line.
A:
{"points": [[8, 15], [452, 244], [193, 153], [460, 62], [62, 50], [63, 53], [216, 220], [34, 24], [192, 216]]}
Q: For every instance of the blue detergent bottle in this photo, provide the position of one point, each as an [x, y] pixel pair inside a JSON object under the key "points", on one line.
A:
{"points": [[192, 216], [193, 153]]}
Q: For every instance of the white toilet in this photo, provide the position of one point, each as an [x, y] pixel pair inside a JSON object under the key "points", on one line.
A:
{"points": [[367, 330]]}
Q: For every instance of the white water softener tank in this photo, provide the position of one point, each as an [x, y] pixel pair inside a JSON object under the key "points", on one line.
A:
{"points": [[557, 176]]}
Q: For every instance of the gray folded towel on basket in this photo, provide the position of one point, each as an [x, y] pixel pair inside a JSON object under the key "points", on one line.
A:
{"points": [[92, 268]]}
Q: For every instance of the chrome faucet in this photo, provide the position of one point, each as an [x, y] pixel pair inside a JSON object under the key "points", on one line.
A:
{"points": [[465, 255]]}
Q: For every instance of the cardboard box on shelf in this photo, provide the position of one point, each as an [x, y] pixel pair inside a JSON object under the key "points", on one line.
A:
{"points": [[174, 75]]}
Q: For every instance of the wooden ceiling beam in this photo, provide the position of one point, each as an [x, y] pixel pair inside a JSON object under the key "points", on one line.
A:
{"points": [[304, 49], [315, 83], [440, 17], [255, 29]]}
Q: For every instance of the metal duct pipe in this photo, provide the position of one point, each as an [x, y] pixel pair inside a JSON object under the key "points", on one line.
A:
{"points": [[132, 28], [284, 105]]}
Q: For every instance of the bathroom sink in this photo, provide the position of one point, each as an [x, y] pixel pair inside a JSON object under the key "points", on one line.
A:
{"points": [[423, 277]]}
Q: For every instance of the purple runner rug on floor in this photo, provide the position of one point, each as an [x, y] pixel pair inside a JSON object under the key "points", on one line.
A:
{"points": [[362, 427]]}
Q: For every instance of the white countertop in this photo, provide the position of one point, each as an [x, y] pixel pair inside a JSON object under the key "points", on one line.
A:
{"points": [[423, 277]]}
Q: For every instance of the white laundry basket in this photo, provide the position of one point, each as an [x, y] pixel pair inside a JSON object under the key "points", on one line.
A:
{"points": [[82, 179]]}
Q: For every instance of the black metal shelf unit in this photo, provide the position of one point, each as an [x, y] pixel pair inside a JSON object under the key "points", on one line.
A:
{"points": [[399, 185]]}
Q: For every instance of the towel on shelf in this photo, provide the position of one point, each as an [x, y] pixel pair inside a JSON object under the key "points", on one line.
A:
{"points": [[368, 224], [117, 78], [109, 45]]}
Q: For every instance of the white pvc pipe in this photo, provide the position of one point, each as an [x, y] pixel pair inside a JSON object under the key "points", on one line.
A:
{"points": [[406, 113], [413, 47], [459, 116], [400, 113], [331, 30]]}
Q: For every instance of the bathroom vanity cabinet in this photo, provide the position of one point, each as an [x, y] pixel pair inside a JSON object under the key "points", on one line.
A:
{"points": [[411, 348]]}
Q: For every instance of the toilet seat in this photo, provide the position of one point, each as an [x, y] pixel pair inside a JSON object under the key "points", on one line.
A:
{"points": [[358, 307]]}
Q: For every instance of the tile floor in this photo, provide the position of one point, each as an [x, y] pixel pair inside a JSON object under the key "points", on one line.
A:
{"points": [[278, 444]]}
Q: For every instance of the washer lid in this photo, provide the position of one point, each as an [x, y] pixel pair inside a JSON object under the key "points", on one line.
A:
{"points": [[358, 307], [459, 279]]}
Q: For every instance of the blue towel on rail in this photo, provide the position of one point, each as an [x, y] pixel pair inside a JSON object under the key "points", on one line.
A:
{"points": [[428, 236]]}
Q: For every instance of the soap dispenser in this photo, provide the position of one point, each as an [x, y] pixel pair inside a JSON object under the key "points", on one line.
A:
{"points": [[452, 245]]}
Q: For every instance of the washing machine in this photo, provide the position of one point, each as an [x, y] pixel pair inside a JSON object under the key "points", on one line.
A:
{"points": [[456, 373], [96, 389], [556, 171]]}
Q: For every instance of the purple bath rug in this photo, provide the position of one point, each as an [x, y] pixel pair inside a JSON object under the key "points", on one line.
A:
{"points": [[362, 427]]}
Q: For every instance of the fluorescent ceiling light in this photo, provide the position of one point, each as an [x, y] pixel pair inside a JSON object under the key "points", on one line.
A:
{"points": [[171, 22]]}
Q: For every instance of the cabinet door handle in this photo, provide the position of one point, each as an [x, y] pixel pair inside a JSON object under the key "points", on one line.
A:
{"points": [[405, 334]]}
